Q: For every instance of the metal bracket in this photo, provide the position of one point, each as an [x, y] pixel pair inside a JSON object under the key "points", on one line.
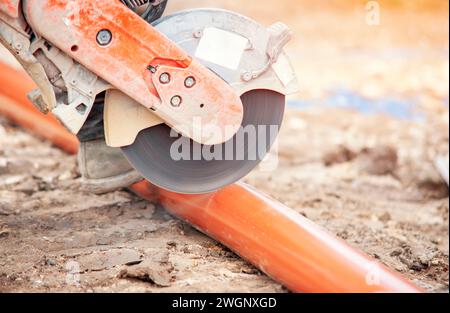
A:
{"points": [[18, 43], [76, 86], [280, 35]]}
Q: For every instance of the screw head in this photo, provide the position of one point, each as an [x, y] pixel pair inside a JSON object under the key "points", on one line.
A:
{"points": [[198, 34], [176, 101], [164, 78], [152, 69], [104, 37], [247, 76], [190, 82], [18, 46]]}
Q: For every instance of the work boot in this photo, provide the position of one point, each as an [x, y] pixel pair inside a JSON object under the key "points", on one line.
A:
{"points": [[104, 169]]}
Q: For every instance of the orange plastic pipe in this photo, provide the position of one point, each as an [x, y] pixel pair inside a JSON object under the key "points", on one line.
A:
{"points": [[279, 241], [14, 86], [282, 243]]}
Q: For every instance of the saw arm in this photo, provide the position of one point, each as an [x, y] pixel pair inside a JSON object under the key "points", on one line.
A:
{"points": [[123, 49]]}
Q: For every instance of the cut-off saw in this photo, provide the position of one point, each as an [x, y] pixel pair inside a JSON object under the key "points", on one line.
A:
{"points": [[192, 101]]}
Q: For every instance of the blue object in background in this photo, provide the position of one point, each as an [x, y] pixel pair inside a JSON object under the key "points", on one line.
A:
{"points": [[403, 109]]}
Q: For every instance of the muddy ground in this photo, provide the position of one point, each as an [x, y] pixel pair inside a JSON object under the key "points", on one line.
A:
{"points": [[367, 178]]}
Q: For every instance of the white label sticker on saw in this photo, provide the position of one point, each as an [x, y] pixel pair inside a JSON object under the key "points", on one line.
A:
{"points": [[284, 70], [221, 47]]}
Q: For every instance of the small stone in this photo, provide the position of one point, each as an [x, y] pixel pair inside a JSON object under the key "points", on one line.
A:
{"points": [[337, 155], [48, 239], [66, 175], [4, 232], [29, 187], [172, 243], [397, 252], [399, 268], [435, 262], [381, 160], [149, 271], [436, 241], [343, 234], [385, 217], [12, 276], [5, 209], [250, 270], [416, 266], [103, 242]]}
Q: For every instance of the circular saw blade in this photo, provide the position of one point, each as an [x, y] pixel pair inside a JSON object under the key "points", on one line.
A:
{"points": [[152, 153]]}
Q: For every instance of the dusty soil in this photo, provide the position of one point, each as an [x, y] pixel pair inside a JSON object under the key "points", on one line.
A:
{"points": [[50, 230], [368, 179]]}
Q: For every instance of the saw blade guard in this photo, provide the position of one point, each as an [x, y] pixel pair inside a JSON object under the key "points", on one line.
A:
{"points": [[245, 54]]}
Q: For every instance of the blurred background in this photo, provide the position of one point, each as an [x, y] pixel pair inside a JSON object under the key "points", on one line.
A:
{"points": [[359, 147], [385, 58], [361, 143], [336, 51]]}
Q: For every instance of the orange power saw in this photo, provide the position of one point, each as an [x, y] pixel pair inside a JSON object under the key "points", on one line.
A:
{"points": [[194, 100]]}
